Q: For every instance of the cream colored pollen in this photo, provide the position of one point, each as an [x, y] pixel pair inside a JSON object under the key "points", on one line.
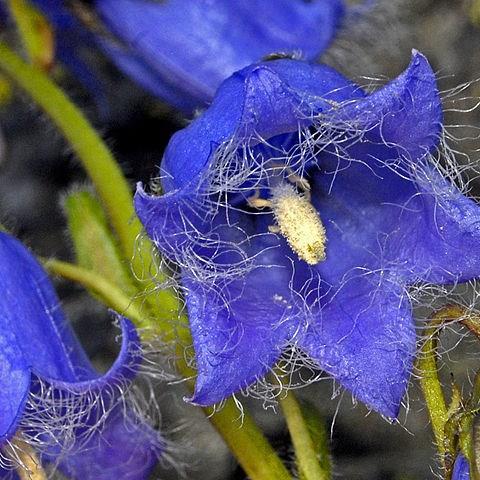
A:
{"points": [[299, 222]]}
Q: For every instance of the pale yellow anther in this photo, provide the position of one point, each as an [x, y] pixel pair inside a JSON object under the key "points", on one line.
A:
{"points": [[299, 223]]}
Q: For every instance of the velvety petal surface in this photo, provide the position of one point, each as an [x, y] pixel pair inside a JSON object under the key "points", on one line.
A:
{"points": [[111, 440], [364, 337], [32, 314], [241, 327], [262, 100], [246, 105], [174, 39], [449, 250], [406, 114], [240, 306], [391, 220], [33, 331]]}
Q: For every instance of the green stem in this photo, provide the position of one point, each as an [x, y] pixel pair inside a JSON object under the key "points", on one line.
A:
{"points": [[475, 12], [112, 187], [245, 440], [110, 294], [305, 451], [429, 381], [35, 33], [96, 158]]}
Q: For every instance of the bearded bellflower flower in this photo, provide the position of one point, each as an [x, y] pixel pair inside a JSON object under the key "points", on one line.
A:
{"points": [[50, 394], [300, 208]]}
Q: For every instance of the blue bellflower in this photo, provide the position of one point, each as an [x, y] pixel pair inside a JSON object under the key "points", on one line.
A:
{"points": [[300, 209], [461, 470], [181, 50], [50, 393]]}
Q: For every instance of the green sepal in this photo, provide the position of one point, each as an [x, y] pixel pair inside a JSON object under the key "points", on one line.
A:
{"points": [[95, 247]]}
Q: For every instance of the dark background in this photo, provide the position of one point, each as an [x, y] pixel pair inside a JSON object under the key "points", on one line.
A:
{"points": [[36, 169]]}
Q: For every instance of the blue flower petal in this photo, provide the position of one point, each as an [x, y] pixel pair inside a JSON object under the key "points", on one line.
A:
{"points": [[412, 99], [123, 449], [239, 333], [364, 337], [368, 160], [449, 230], [47, 343], [43, 360], [15, 384], [237, 102], [239, 326], [124, 368], [110, 440], [173, 40], [461, 470], [172, 219]]}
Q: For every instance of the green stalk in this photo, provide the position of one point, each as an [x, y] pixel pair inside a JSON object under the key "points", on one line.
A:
{"points": [[475, 12], [247, 442], [109, 293], [429, 381], [110, 184], [35, 33], [97, 160], [305, 451]]}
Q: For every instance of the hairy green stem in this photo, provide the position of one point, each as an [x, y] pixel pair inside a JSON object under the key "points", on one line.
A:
{"points": [[110, 294], [305, 451], [429, 380]]}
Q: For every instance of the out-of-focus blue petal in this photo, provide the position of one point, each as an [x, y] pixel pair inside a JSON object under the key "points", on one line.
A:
{"points": [[124, 450], [461, 470], [187, 48], [41, 358]]}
